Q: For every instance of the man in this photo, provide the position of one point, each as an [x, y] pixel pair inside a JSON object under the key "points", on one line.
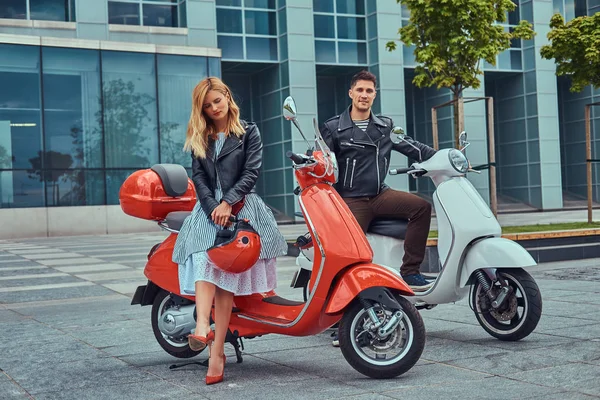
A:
{"points": [[362, 145]]}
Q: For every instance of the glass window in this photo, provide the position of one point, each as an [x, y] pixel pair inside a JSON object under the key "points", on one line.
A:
{"points": [[232, 47], [49, 10], [323, 6], [352, 53], [282, 21], [261, 49], [74, 187], [372, 25], [261, 23], [20, 104], [324, 26], [160, 15], [129, 95], [373, 52], [15, 9], [114, 180], [182, 15], [270, 4], [123, 13], [233, 3], [21, 189], [72, 107], [177, 77], [325, 51], [351, 7], [351, 28], [229, 21]]}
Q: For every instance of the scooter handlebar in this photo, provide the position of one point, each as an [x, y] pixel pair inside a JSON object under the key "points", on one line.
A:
{"points": [[296, 158], [398, 171]]}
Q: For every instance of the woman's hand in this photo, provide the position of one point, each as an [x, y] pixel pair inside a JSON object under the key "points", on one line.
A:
{"points": [[221, 214]]}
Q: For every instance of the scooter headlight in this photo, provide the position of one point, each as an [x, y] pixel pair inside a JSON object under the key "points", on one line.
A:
{"points": [[458, 160]]}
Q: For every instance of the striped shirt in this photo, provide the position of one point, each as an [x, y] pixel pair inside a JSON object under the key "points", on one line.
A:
{"points": [[198, 231], [361, 123]]}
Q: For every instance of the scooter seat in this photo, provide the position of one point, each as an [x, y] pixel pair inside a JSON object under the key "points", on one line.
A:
{"points": [[395, 228], [175, 219]]}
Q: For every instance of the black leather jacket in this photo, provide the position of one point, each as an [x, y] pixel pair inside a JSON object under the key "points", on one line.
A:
{"points": [[236, 167], [364, 157]]}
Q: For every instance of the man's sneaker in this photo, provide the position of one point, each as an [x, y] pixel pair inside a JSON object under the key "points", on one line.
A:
{"points": [[336, 341], [417, 282]]}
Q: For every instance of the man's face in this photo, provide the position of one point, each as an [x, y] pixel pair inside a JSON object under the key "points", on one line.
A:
{"points": [[362, 95]]}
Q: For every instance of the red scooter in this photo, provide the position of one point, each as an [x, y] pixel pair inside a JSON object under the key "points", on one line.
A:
{"points": [[381, 334]]}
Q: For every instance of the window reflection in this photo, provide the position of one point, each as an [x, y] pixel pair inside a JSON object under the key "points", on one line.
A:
{"points": [[177, 77], [129, 94]]}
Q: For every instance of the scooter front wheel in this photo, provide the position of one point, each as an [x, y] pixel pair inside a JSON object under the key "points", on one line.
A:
{"points": [[376, 356], [520, 312], [175, 346]]}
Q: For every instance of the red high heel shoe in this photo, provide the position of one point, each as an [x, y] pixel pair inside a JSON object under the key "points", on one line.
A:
{"points": [[198, 343], [212, 379]]}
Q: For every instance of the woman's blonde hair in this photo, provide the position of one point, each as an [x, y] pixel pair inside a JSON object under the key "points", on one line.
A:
{"points": [[200, 127]]}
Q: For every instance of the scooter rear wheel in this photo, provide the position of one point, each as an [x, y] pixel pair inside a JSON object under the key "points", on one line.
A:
{"points": [[177, 347], [382, 358]]}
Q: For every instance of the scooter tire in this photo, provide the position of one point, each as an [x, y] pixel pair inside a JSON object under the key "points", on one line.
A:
{"points": [[179, 349], [372, 370], [531, 301]]}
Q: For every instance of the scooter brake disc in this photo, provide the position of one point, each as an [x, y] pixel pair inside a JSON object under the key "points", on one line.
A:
{"points": [[508, 312]]}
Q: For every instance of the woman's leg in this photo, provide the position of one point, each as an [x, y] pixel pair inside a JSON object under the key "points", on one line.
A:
{"points": [[205, 293], [223, 304]]}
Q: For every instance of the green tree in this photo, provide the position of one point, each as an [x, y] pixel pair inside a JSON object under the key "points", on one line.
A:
{"points": [[452, 37], [575, 48]]}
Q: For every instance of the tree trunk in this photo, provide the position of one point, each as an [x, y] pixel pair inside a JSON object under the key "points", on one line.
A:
{"points": [[458, 117]]}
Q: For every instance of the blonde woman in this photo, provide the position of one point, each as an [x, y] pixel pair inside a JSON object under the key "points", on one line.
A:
{"points": [[227, 156]]}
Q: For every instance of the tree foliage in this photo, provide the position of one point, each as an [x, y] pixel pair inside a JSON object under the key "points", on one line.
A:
{"points": [[451, 37], [575, 47]]}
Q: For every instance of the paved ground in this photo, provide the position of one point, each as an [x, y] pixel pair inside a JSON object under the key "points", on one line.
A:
{"points": [[68, 332]]}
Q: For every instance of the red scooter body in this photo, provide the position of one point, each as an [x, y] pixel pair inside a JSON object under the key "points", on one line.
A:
{"points": [[342, 269]]}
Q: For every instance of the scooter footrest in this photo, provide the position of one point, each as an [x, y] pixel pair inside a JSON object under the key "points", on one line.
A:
{"points": [[280, 301]]}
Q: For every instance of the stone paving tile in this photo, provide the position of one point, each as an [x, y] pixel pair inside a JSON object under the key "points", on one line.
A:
{"points": [[19, 282], [12, 271], [146, 390], [567, 377], [10, 390], [63, 376], [487, 388], [70, 261], [47, 294]]}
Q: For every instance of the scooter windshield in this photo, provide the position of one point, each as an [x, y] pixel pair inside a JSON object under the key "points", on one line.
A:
{"points": [[320, 144]]}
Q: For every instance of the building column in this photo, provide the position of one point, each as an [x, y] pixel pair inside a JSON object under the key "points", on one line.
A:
{"points": [[542, 110], [298, 71], [201, 23], [389, 69]]}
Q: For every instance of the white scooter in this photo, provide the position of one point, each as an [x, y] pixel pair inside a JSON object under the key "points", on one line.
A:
{"points": [[472, 254]]}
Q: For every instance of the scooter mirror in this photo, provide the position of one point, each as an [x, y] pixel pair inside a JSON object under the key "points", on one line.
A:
{"points": [[289, 109], [462, 140], [397, 134]]}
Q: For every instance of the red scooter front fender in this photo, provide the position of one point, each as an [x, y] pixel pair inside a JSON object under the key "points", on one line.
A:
{"points": [[360, 277]]}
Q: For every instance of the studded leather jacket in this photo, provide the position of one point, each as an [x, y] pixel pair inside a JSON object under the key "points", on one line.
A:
{"points": [[364, 157]]}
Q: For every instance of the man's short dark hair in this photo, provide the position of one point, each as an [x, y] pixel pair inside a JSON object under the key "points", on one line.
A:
{"points": [[363, 76]]}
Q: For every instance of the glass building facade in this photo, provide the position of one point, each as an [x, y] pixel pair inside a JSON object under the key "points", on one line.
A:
{"points": [[95, 89]]}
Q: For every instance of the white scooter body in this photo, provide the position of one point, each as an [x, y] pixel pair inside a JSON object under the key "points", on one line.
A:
{"points": [[469, 236]]}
